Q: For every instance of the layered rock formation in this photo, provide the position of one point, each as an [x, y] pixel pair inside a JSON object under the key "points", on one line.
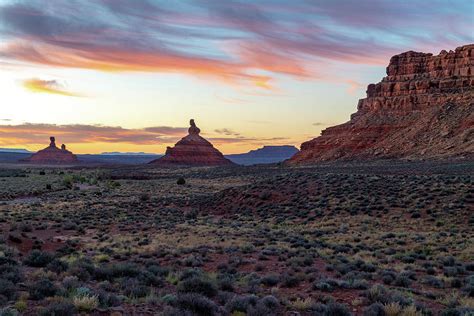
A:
{"points": [[52, 155], [423, 108], [192, 150]]}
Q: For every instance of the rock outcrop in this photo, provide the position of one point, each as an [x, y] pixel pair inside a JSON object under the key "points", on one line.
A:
{"points": [[52, 155], [192, 150], [423, 108]]}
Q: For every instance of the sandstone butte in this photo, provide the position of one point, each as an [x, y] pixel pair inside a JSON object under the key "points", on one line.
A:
{"points": [[192, 150], [422, 109], [52, 155]]}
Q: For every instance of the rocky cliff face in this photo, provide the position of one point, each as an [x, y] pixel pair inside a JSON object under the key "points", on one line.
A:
{"points": [[52, 155], [192, 150], [423, 108]]}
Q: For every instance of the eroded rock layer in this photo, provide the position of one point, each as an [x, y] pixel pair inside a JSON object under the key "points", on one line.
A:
{"points": [[192, 150], [52, 155], [423, 108]]}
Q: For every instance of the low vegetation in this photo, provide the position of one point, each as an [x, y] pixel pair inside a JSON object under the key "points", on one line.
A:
{"points": [[385, 239]]}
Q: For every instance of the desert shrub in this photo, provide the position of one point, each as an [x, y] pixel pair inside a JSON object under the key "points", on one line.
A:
{"points": [[107, 299], [70, 283], [323, 286], [378, 294], [144, 197], [392, 309], [470, 266], [133, 289], [396, 297], [10, 271], [402, 280], [57, 265], [7, 289], [58, 308], [38, 259], [21, 305], [460, 311], [197, 304], [318, 309], [303, 304], [8, 311], [241, 303], [434, 282], [150, 279], [336, 309], [468, 288], [270, 279], [181, 181], [376, 309], [85, 302], [41, 289], [359, 284], [270, 302], [82, 269], [190, 273], [448, 261], [289, 280], [225, 283], [112, 271], [198, 285], [450, 271], [260, 310]]}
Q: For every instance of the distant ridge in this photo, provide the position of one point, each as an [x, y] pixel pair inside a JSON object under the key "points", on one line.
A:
{"points": [[118, 153], [15, 150], [266, 154]]}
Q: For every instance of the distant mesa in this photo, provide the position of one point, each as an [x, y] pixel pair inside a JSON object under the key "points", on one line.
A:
{"points": [[15, 150], [192, 150], [264, 155], [422, 109], [52, 155]]}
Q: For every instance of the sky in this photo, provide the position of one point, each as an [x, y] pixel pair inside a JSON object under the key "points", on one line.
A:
{"points": [[127, 75]]}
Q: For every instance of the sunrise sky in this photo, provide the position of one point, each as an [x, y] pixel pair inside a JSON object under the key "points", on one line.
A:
{"points": [[127, 75]]}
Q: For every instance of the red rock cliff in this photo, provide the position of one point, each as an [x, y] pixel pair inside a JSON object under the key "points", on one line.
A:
{"points": [[423, 108]]}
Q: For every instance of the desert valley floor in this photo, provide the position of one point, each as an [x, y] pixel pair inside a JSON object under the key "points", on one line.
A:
{"points": [[382, 238]]}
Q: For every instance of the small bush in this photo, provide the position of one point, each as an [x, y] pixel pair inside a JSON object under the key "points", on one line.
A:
{"points": [[7, 289], [336, 309], [197, 285], [197, 304], [375, 309], [38, 259], [42, 288], [8, 311], [270, 280], [181, 181], [242, 303], [86, 303], [58, 308]]}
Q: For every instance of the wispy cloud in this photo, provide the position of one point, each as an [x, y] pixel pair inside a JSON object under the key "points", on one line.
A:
{"points": [[47, 86], [37, 134], [238, 41], [353, 86], [226, 131], [30, 133]]}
